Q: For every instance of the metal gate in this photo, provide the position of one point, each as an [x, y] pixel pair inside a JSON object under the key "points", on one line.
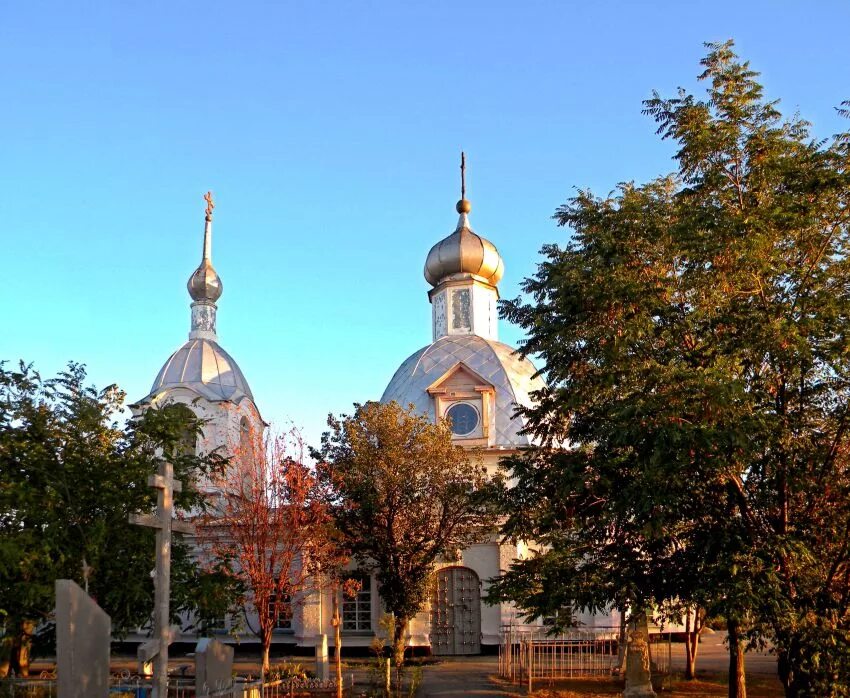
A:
{"points": [[456, 612], [529, 654]]}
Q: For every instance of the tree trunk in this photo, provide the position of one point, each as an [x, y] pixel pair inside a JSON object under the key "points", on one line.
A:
{"points": [[5, 655], [794, 681], [337, 622], [689, 660], [267, 643], [692, 641], [621, 644], [21, 644], [399, 632], [783, 668], [737, 679], [398, 641]]}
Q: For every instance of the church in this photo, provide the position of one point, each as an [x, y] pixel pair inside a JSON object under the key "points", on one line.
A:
{"points": [[465, 375]]}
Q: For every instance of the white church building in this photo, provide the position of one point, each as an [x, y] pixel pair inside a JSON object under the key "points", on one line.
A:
{"points": [[465, 375]]}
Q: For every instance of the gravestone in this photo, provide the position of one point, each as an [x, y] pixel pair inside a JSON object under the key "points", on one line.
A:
{"points": [[155, 650], [323, 672], [213, 666], [83, 631], [638, 677]]}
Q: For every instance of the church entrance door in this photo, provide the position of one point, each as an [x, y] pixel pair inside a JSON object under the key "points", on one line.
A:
{"points": [[456, 612]]}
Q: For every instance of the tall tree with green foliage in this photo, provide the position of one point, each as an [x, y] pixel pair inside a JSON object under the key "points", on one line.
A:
{"points": [[695, 333], [405, 495], [70, 476]]}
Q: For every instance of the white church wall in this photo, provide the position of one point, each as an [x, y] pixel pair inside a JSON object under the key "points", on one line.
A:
{"points": [[483, 558], [484, 317]]}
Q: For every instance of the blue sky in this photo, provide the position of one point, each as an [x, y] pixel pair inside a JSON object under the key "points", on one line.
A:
{"points": [[330, 134]]}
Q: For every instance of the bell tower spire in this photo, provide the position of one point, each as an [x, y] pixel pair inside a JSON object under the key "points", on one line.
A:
{"points": [[464, 270], [205, 285]]}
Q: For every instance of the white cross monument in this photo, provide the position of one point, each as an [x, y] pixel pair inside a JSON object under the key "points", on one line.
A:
{"points": [[156, 648]]}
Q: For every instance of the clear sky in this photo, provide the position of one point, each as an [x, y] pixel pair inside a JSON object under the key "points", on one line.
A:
{"points": [[330, 134]]}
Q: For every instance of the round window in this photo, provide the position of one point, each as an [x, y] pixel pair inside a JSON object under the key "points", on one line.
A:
{"points": [[463, 417]]}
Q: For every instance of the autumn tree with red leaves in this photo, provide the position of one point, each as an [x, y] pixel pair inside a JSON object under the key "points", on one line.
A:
{"points": [[270, 527]]}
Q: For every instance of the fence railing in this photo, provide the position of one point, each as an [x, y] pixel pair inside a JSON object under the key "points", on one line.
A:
{"points": [[280, 688], [129, 685], [33, 687], [532, 654]]}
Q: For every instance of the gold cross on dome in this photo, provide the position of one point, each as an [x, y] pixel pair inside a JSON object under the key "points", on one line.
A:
{"points": [[210, 205]]}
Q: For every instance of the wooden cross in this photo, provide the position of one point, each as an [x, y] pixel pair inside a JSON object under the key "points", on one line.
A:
{"points": [[156, 648]]}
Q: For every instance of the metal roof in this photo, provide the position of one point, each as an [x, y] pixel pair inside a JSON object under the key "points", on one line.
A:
{"points": [[204, 367], [512, 376]]}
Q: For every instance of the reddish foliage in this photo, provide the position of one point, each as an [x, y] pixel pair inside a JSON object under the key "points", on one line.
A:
{"points": [[271, 524]]}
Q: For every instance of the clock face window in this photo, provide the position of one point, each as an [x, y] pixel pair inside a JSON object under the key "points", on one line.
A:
{"points": [[463, 418]]}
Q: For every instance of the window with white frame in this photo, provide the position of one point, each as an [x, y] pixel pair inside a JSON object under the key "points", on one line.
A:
{"points": [[219, 625], [281, 612], [357, 610]]}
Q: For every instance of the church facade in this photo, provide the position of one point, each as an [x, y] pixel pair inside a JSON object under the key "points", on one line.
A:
{"points": [[465, 375]]}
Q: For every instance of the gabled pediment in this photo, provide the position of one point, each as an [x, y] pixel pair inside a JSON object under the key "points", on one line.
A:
{"points": [[460, 378]]}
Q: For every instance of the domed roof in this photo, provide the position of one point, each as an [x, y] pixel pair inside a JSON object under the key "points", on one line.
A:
{"points": [[464, 252], [202, 366], [511, 375]]}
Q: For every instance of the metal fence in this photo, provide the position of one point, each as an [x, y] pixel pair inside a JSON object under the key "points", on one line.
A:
{"points": [[531, 654], [281, 688], [43, 686], [129, 685]]}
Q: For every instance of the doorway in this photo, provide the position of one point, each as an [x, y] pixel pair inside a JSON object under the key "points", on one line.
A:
{"points": [[456, 612]]}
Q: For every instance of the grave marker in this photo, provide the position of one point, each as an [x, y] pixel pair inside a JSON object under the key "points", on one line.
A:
{"points": [[83, 633], [638, 677], [213, 666], [156, 649], [322, 665]]}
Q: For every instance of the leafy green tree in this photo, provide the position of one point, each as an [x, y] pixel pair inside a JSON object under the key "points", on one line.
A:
{"points": [[694, 335], [406, 496], [70, 476]]}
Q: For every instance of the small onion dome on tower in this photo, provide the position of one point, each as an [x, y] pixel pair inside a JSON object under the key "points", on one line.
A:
{"points": [[205, 283], [201, 366], [464, 251]]}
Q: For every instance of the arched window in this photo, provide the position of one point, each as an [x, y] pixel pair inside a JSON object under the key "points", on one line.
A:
{"points": [[188, 442], [246, 442]]}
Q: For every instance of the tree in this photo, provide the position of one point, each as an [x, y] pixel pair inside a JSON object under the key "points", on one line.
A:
{"points": [[70, 476], [341, 585], [270, 528], [406, 497], [693, 333]]}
